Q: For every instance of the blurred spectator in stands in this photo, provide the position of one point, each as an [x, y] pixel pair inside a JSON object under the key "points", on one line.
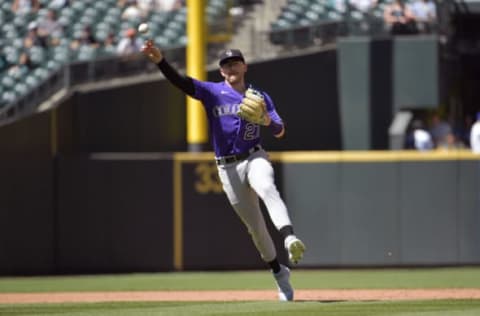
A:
{"points": [[3, 61], [109, 44], [462, 131], [339, 5], [146, 6], [50, 28], [425, 13], [59, 4], [451, 142], [475, 135], [23, 66], [440, 130], [121, 3], [85, 38], [33, 37], [419, 138], [130, 43], [168, 5], [399, 18], [25, 6], [365, 6], [132, 11]]}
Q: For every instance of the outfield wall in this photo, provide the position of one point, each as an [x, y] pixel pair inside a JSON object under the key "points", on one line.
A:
{"points": [[93, 185], [143, 212], [27, 197], [366, 208]]}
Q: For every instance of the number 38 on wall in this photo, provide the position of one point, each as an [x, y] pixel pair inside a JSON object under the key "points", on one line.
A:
{"points": [[207, 179]]}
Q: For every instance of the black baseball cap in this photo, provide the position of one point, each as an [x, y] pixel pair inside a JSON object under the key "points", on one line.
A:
{"points": [[230, 54]]}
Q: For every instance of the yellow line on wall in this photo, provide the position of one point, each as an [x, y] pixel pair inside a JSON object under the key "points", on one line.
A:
{"points": [[177, 215], [372, 156], [195, 156], [349, 156]]}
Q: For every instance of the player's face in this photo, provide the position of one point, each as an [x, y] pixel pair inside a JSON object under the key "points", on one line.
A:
{"points": [[233, 71]]}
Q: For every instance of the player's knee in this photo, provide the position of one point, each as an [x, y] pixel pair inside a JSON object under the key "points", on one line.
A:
{"points": [[265, 190]]}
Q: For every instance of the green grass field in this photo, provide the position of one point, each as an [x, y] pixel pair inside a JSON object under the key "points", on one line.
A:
{"points": [[301, 279]]}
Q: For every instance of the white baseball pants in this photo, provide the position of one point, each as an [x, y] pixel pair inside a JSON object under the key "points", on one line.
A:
{"points": [[244, 182]]}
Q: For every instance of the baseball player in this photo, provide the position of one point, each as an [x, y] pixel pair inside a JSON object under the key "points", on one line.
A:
{"points": [[235, 114], [475, 135]]}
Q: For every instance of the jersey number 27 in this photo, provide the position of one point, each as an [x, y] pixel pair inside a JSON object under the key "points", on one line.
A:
{"points": [[252, 131]]}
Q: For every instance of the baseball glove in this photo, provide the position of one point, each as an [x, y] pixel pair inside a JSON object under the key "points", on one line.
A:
{"points": [[253, 108]]}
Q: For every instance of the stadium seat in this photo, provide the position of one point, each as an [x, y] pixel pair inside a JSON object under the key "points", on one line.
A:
{"points": [[102, 34], [297, 9], [12, 56], [62, 56], [17, 43], [104, 16], [8, 28], [20, 89], [357, 15], [8, 81], [172, 34], [7, 8], [182, 40], [289, 16], [19, 74], [20, 21], [110, 19], [92, 12], [8, 97], [53, 65], [106, 51], [181, 17], [280, 24], [86, 52], [31, 81], [162, 41], [312, 17], [87, 20], [41, 73], [114, 11], [37, 55], [79, 6], [100, 6], [320, 9], [334, 16], [68, 14]]}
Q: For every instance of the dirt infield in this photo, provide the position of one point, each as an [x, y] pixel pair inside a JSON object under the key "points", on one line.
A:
{"points": [[300, 295]]}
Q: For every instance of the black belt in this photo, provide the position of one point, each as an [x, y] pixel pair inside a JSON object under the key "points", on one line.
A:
{"points": [[239, 157]]}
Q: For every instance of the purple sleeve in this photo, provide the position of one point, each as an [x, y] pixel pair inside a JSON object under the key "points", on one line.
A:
{"points": [[276, 126], [201, 89]]}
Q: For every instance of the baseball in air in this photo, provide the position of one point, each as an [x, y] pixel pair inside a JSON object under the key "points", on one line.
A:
{"points": [[143, 28]]}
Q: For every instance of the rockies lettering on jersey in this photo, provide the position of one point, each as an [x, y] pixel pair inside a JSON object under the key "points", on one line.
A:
{"points": [[227, 109]]}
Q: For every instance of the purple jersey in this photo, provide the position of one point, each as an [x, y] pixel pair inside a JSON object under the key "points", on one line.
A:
{"points": [[230, 134]]}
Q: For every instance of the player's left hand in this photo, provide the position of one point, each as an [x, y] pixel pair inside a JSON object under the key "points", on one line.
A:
{"points": [[254, 109]]}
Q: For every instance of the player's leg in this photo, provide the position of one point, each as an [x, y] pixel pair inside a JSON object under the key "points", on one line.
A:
{"points": [[246, 204], [261, 178], [248, 210]]}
